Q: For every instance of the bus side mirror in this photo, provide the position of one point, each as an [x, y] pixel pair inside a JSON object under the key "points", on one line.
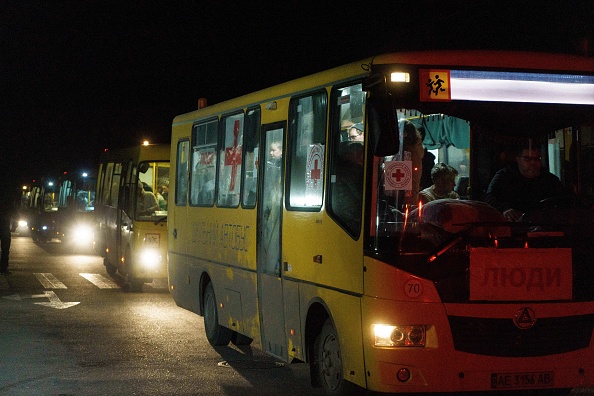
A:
{"points": [[383, 126]]}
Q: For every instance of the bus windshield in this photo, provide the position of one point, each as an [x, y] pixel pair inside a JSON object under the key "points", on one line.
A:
{"points": [[434, 237], [152, 191]]}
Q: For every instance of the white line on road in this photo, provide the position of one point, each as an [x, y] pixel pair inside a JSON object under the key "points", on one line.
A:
{"points": [[49, 281], [100, 281]]}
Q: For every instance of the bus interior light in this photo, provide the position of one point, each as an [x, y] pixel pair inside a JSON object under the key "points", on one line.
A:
{"points": [[399, 335], [400, 77]]}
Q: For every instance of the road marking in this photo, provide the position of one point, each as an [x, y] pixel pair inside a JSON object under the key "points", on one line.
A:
{"points": [[54, 301], [49, 281], [100, 281]]}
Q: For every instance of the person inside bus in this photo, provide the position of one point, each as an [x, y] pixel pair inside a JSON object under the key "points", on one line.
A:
{"points": [[272, 208], [428, 162], [413, 144], [444, 181], [356, 133], [347, 189], [147, 202], [518, 188], [160, 198]]}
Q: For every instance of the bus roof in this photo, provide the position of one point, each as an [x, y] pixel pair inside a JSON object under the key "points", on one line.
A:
{"points": [[492, 59], [290, 88], [441, 58], [151, 152]]}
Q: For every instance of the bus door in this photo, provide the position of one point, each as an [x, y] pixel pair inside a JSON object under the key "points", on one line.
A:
{"points": [[270, 282], [126, 214]]}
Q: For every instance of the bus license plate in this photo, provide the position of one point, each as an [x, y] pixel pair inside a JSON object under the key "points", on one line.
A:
{"points": [[543, 379]]}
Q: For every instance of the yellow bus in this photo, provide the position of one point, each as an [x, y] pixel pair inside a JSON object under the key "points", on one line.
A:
{"points": [[131, 213], [62, 209], [297, 222]]}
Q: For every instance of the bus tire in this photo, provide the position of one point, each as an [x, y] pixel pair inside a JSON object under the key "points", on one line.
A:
{"points": [[109, 268], [133, 283], [216, 334], [328, 363], [240, 339]]}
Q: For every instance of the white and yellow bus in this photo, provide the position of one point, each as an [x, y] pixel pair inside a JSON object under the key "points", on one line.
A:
{"points": [[296, 222], [131, 213]]}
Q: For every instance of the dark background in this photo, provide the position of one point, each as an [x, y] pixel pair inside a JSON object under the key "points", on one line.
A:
{"points": [[80, 76]]}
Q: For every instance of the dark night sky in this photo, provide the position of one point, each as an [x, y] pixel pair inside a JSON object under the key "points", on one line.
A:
{"points": [[78, 76]]}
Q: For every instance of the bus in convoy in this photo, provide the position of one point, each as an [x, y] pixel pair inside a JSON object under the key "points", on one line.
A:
{"points": [[131, 213], [299, 220], [62, 209]]}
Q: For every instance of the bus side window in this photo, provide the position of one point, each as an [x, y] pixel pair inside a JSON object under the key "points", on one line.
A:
{"points": [[106, 187], [307, 130], [181, 177], [251, 139], [230, 161], [115, 185], [203, 165], [346, 157]]}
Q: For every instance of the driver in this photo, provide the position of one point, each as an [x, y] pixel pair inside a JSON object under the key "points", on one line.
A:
{"points": [[519, 187]]}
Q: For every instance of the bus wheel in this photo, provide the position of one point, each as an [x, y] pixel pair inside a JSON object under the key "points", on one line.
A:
{"points": [[240, 339], [133, 284], [110, 268], [215, 333], [329, 362]]}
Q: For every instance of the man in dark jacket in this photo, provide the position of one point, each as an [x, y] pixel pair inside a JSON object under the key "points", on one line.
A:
{"points": [[520, 187]]}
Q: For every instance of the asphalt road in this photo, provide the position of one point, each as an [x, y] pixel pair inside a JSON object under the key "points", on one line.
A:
{"points": [[67, 328]]}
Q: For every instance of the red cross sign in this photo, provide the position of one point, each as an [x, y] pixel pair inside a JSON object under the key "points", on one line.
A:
{"points": [[233, 155], [398, 175]]}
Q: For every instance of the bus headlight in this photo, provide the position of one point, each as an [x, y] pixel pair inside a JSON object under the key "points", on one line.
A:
{"points": [[22, 223], [399, 335], [150, 258], [82, 234]]}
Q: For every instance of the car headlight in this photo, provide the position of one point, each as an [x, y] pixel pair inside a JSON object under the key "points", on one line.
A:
{"points": [[399, 335], [150, 258]]}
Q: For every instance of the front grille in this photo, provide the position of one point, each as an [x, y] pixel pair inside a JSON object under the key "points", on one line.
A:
{"points": [[500, 337]]}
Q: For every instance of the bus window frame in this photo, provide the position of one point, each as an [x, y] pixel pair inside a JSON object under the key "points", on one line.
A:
{"points": [[221, 154], [191, 170], [292, 142], [255, 138], [179, 151], [334, 140]]}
